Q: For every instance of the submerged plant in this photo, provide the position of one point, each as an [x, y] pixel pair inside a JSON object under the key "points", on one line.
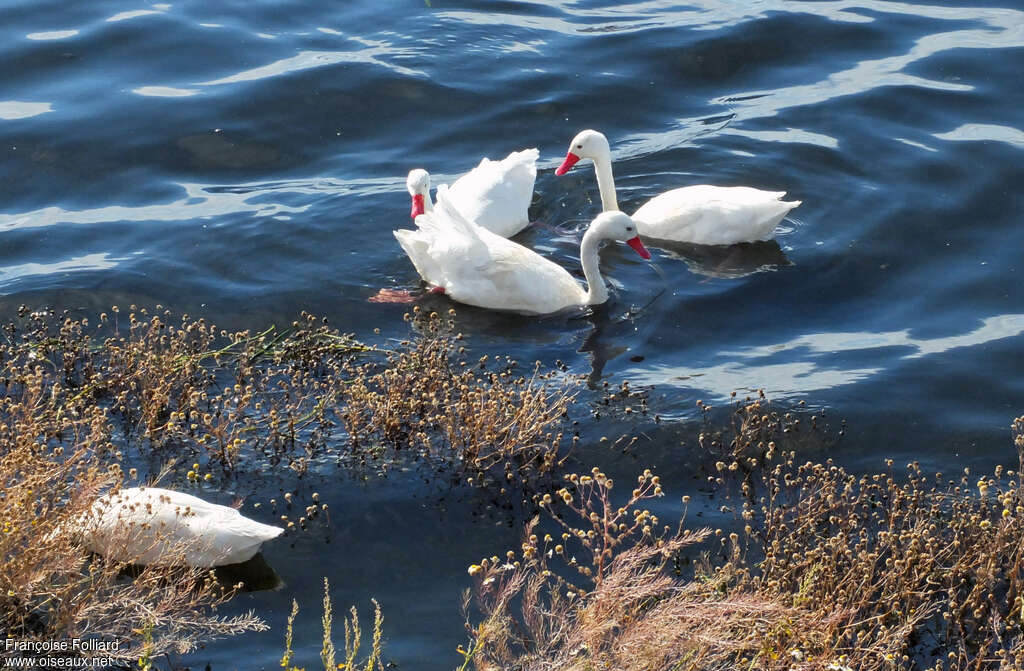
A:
{"points": [[426, 397], [184, 388]]}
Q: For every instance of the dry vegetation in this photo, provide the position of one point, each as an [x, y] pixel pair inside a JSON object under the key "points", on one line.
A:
{"points": [[190, 391], [54, 440], [80, 402], [826, 570], [353, 639], [488, 423], [605, 592]]}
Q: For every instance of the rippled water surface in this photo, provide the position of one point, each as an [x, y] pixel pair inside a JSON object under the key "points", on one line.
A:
{"points": [[246, 160]]}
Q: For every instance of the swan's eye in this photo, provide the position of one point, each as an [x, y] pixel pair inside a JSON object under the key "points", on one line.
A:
{"points": [[629, 229], [579, 146]]}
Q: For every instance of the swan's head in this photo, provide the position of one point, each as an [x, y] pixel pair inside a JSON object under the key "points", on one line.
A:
{"points": [[418, 185], [618, 226], [587, 144]]}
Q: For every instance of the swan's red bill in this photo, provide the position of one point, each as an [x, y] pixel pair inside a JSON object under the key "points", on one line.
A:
{"points": [[638, 247], [417, 206], [569, 162]]}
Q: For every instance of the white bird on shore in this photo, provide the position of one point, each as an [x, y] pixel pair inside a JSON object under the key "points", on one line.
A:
{"points": [[701, 214], [150, 525], [474, 266], [494, 195]]}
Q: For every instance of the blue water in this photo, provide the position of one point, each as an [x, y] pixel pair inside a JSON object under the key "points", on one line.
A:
{"points": [[247, 160]]}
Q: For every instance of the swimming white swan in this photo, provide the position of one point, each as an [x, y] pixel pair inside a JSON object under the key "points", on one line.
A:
{"points": [[702, 214], [477, 267], [150, 525], [495, 195]]}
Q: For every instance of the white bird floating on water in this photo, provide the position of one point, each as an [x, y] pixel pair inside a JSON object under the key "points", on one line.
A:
{"points": [[701, 214], [472, 265], [494, 195], [150, 525]]}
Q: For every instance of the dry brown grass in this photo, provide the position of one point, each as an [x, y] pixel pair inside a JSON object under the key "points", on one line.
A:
{"points": [[80, 400], [486, 421], [604, 595], [926, 570], [184, 389], [54, 441], [828, 570]]}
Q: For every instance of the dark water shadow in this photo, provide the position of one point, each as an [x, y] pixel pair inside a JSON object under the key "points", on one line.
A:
{"points": [[252, 575], [725, 261], [600, 343]]}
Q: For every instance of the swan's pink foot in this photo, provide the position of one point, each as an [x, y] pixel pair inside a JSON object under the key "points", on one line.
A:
{"points": [[437, 290], [393, 296]]}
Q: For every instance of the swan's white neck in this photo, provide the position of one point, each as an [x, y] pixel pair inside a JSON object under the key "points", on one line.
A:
{"points": [[428, 202], [606, 183], [597, 292]]}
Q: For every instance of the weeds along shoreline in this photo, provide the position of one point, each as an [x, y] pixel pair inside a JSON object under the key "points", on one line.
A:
{"points": [[822, 569]]}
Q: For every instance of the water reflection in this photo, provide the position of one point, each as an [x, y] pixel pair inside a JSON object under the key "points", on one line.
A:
{"points": [[254, 574], [778, 380], [726, 262], [601, 345], [1000, 29], [819, 366], [16, 109], [992, 328], [715, 15], [10, 275], [135, 13], [792, 135], [372, 54], [164, 92], [982, 131], [199, 202], [52, 35]]}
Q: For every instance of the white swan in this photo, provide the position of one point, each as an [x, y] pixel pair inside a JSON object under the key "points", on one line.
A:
{"points": [[477, 267], [495, 195], [150, 525], [702, 214]]}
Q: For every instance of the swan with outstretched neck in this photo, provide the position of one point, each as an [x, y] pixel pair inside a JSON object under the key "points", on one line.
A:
{"points": [[494, 195], [701, 214], [151, 525], [474, 266]]}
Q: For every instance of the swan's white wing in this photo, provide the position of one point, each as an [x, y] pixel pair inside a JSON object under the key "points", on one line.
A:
{"points": [[713, 215], [416, 246], [443, 239], [496, 194], [533, 284], [477, 267], [444, 243]]}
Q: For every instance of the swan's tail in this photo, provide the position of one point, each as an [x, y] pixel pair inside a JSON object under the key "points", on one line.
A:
{"points": [[790, 204], [773, 215], [524, 162], [258, 531]]}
